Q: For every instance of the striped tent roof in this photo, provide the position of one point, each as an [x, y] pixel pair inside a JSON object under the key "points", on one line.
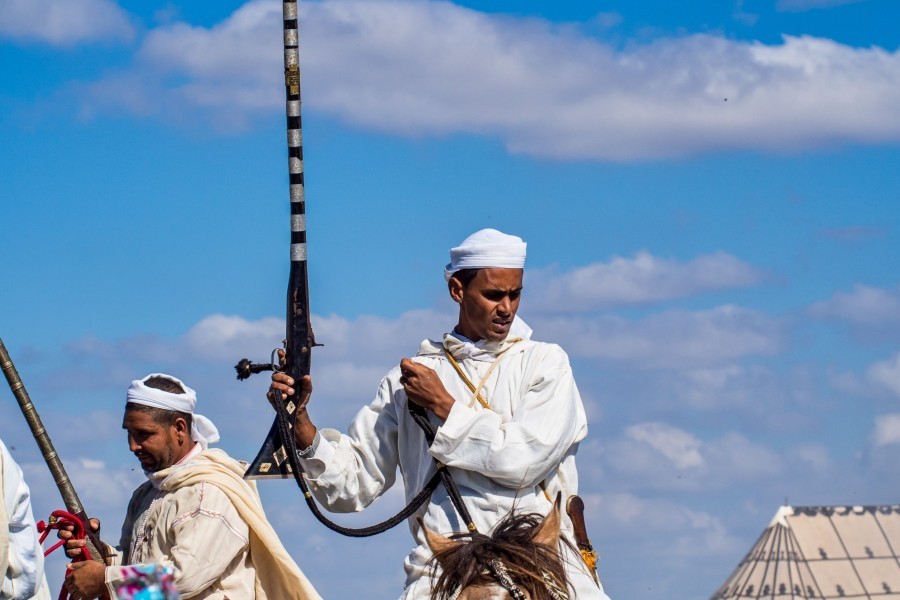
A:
{"points": [[822, 552]]}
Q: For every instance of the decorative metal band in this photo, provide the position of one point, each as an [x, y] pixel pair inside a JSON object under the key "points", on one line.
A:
{"points": [[298, 252], [294, 130]]}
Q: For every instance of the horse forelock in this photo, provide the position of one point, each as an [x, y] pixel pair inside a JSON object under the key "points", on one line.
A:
{"points": [[530, 564]]}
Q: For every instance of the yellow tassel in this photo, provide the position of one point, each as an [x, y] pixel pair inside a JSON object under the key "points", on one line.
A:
{"points": [[590, 559]]}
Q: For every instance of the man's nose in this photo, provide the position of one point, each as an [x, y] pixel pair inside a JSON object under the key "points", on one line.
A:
{"points": [[505, 306], [133, 445]]}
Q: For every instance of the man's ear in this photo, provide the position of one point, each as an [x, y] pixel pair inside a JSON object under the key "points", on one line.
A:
{"points": [[181, 427], [457, 291]]}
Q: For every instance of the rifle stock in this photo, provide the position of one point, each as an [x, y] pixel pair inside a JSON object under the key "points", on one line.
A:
{"points": [[96, 547]]}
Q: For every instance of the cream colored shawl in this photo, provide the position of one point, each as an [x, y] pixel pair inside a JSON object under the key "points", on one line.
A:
{"points": [[277, 575]]}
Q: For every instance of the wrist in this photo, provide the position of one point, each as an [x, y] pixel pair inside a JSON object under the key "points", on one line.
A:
{"points": [[444, 406], [304, 431], [311, 449]]}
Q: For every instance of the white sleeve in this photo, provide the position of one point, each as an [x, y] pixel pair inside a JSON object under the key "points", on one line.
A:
{"points": [[348, 472], [24, 557], [548, 419]]}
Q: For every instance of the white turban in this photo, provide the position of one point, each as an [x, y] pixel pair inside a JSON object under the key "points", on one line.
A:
{"points": [[487, 249], [202, 429]]}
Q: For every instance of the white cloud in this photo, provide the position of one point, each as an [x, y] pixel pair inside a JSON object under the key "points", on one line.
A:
{"points": [[887, 430], [853, 233], [741, 15], [346, 370], [886, 374], [659, 456], [729, 385], [365, 340], [801, 5], [631, 281], [65, 23], [814, 457], [608, 20], [767, 399], [679, 447], [226, 336], [104, 489], [864, 305], [433, 68], [695, 533], [669, 339], [733, 457]]}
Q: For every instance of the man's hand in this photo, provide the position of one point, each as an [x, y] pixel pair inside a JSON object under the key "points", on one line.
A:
{"points": [[281, 381], [425, 388], [85, 580], [304, 430], [285, 383], [73, 546]]}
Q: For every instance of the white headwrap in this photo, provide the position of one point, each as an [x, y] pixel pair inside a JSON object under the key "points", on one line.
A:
{"points": [[487, 249], [202, 429]]}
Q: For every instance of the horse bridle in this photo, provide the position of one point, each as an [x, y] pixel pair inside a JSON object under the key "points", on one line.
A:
{"points": [[498, 571]]}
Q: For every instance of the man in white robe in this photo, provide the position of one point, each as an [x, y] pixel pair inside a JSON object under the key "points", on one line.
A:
{"points": [[509, 418], [21, 555], [195, 514]]}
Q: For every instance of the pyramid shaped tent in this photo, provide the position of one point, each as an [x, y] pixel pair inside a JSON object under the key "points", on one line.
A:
{"points": [[822, 552]]}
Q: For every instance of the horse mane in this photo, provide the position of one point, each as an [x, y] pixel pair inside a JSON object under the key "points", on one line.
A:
{"points": [[532, 565]]}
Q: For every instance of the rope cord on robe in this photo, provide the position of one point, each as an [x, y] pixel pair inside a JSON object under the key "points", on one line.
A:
{"points": [[476, 391], [480, 398], [588, 555], [468, 383], [441, 476], [60, 519]]}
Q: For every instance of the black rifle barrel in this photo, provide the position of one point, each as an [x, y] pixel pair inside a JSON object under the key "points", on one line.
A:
{"points": [[299, 340], [57, 469], [276, 454]]}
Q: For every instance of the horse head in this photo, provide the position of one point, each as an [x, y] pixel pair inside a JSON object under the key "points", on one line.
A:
{"points": [[520, 559]]}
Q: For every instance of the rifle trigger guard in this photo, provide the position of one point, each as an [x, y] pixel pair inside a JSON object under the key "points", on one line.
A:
{"points": [[275, 364]]}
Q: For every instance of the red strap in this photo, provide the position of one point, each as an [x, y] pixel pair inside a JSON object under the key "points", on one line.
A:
{"points": [[60, 519]]}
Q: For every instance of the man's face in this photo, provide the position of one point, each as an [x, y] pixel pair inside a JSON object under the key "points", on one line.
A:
{"points": [[155, 445], [488, 304]]}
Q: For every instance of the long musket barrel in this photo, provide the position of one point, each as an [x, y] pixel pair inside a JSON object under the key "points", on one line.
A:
{"points": [[272, 460], [57, 469], [278, 457]]}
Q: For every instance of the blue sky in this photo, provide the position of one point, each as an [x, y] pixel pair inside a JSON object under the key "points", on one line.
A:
{"points": [[708, 191]]}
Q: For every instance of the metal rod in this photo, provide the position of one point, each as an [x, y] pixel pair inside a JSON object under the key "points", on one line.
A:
{"points": [[54, 463], [70, 497]]}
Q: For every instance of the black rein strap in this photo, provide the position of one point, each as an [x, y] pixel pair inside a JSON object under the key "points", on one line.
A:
{"points": [[442, 475]]}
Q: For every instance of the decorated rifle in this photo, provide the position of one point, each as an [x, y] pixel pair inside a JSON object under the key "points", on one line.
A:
{"points": [[277, 454], [97, 549]]}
